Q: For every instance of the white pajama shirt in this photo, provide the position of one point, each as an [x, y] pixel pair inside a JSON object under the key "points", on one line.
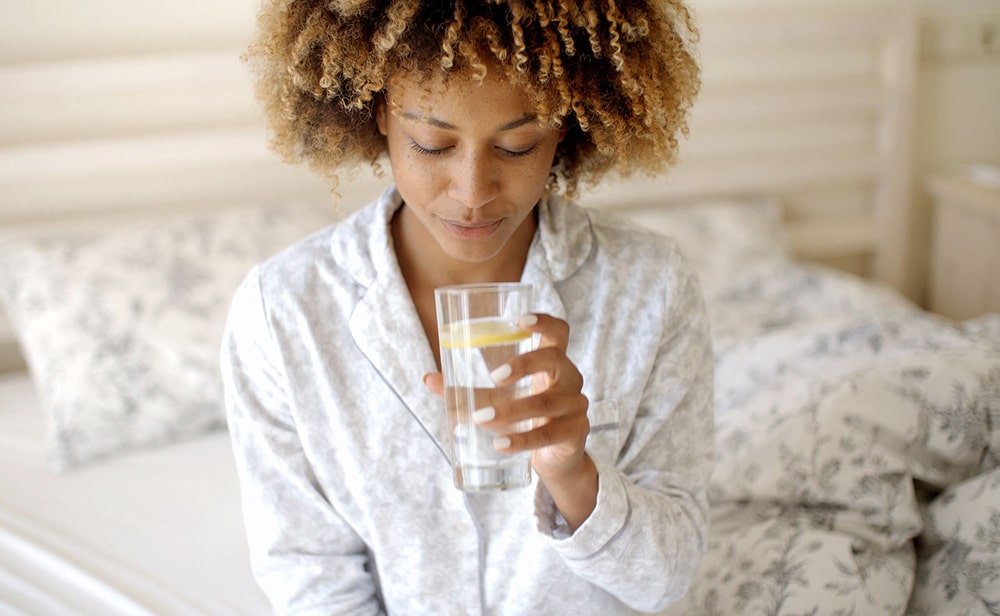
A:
{"points": [[343, 453]]}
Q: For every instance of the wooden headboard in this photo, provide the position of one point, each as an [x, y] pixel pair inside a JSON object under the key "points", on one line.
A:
{"points": [[152, 112], [812, 103]]}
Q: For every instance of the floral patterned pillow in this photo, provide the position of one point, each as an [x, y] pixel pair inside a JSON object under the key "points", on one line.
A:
{"points": [[958, 571], [121, 329]]}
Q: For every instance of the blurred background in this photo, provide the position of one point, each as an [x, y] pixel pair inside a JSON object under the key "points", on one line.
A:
{"points": [[114, 100]]}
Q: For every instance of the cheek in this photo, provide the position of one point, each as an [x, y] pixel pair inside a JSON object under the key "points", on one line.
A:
{"points": [[421, 171], [416, 177], [530, 180], [536, 175]]}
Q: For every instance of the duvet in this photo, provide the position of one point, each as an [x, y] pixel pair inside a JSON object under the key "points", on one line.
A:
{"points": [[857, 451]]}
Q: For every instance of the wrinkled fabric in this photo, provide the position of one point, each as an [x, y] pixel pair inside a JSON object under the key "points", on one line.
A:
{"points": [[343, 452]]}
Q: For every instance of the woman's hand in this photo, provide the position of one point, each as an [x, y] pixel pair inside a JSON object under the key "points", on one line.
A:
{"points": [[559, 411]]}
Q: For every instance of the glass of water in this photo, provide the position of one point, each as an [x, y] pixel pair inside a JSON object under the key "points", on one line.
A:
{"points": [[478, 332]]}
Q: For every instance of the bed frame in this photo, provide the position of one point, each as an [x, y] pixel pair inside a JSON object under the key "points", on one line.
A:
{"points": [[106, 121]]}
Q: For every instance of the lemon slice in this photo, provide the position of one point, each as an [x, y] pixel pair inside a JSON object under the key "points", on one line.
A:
{"points": [[480, 333]]}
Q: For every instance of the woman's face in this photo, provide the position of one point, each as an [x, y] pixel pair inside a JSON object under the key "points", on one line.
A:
{"points": [[470, 161]]}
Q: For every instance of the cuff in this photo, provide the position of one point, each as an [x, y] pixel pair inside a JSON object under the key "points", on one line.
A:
{"points": [[608, 518]]}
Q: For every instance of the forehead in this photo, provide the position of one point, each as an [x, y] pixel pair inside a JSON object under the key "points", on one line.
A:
{"points": [[429, 90]]}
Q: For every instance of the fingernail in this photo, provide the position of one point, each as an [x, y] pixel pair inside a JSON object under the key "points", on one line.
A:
{"points": [[500, 373], [426, 376], [501, 442], [527, 320], [484, 414]]}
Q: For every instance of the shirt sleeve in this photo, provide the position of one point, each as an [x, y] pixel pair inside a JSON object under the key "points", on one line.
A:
{"points": [[652, 508], [304, 556]]}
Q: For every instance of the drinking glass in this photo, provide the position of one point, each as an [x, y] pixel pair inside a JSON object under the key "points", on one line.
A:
{"points": [[478, 333]]}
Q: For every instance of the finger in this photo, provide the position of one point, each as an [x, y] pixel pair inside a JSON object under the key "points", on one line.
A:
{"points": [[465, 399], [552, 332], [572, 429], [435, 382], [558, 370], [541, 408]]}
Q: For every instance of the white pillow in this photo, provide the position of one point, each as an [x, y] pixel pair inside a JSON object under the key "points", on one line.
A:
{"points": [[719, 237], [121, 328]]}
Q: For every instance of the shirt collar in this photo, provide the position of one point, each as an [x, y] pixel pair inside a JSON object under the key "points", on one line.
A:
{"points": [[362, 243]]}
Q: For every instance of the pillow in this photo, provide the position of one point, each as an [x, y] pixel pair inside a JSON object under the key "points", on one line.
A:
{"points": [[959, 567], [121, 328], [719, 237]]}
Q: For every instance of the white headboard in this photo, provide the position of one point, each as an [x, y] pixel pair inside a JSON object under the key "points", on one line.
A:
{"points": [[811, 102], [151, 112]]}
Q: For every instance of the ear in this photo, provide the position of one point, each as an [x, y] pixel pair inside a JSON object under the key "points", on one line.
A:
{"points": [[562, 132], [380, 117]]}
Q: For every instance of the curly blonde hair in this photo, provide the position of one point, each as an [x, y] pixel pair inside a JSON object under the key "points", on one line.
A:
{"points": [[619, 77]]}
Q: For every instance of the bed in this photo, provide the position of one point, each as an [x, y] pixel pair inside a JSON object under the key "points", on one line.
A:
{"points": [[857, 440]]}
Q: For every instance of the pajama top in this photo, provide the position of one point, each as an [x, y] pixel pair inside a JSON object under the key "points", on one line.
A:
{"points": [[342, 451]]}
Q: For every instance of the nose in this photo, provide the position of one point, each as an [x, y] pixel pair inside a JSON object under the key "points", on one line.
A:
{"points": [[473, 182]]}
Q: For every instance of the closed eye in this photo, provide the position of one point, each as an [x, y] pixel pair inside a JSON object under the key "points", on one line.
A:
{"points": [[416, 147], [518, 153]]}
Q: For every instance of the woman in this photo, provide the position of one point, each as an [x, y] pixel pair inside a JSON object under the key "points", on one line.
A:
{"points": [[487, 111]]}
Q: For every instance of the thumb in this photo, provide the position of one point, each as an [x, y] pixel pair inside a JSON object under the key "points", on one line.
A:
{"points": [[435, 382]]}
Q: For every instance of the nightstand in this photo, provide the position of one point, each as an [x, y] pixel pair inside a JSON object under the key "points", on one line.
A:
{"points": [[965, 246]]}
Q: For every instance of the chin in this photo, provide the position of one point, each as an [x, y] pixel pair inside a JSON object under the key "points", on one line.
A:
{"points": [[473, 256], [473, 252]]}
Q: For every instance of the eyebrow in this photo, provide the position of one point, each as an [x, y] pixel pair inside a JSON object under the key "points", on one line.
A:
{"points": [[410, 115]]}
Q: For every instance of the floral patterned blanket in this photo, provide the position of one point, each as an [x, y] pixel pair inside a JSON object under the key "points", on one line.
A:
{"points": [[858, 451]]}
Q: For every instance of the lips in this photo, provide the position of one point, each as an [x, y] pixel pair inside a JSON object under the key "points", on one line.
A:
{"points": [[473, 230]]}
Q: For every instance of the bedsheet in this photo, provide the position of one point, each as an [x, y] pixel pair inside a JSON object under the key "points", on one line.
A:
{"points": [[157, 532]]}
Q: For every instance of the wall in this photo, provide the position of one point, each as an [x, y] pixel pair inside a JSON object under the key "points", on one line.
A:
{"points": [[958, 104], [57, 29]]}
